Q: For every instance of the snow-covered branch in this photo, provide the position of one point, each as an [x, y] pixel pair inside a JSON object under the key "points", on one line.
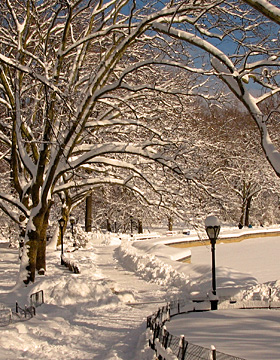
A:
{"points": [[266, 8], [18, 204]]}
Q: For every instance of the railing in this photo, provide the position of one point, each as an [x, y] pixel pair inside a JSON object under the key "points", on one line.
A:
{"points": [[250, 304], [36, 299], [27, 312], [168, 346]]}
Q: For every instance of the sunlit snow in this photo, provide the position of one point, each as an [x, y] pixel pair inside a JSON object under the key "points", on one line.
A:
{"points": [[101, 313]]}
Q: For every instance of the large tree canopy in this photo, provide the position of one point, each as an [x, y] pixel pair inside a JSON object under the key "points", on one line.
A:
{"points": [[82, 95]]}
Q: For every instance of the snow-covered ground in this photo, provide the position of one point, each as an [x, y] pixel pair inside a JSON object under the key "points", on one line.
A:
{"points": [[248, 334], [101, 313]]}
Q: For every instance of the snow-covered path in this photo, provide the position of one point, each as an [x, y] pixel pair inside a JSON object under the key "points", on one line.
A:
{"points": [[129, 287], [86, 316], [138, 299]]}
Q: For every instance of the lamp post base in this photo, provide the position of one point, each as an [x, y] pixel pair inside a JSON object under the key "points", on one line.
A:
{"points": [[214, 304]]}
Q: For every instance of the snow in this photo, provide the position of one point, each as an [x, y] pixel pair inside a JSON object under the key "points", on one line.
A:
{"points": [[264, 4], [212, 220], [249, 334], [197, 41], [101, 312]]}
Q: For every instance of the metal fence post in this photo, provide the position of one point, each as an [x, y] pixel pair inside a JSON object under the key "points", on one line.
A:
{"points": [[183, 346], [168, 312], [213, 352]]}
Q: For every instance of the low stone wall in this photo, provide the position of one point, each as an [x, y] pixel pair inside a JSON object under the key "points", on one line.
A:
{"points": [[223, 239]]}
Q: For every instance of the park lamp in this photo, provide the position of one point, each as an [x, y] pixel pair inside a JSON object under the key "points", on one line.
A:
{"points": [[212, 227], [213, 232], [61, 222]]}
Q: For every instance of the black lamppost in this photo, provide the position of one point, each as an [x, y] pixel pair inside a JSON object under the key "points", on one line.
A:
{"points": [[72, 222], [61, 225], [212, 227], [131, 225]]}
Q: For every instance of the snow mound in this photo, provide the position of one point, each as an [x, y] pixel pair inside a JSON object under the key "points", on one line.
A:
{"points": [[149, 267], [266, 291], [74, 290], [125, 296]]}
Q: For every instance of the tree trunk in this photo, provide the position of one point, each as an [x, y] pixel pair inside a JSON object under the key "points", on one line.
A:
{"points": [[241, 222], [108, 225], [243, 210], [35, 246], [31, 248], [88, 217], [170, 223], [42, 243], [140, 227], [247, 211], [41, 257]]}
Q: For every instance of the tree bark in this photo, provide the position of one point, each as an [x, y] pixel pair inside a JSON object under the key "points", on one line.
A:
{"points": [[140, 227], [41, 257], [88, 217], [108, 225], [32, 248], [42, 243], [35, 245], [170, 223]]}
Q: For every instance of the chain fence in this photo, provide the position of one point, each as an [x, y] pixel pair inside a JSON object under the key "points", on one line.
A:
{"points": [[25, 313], [168, 346], [7, 316], [36, 299]]}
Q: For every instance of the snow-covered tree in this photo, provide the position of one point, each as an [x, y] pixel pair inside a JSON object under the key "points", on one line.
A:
{"points": [[242, 46], [235, 166]]}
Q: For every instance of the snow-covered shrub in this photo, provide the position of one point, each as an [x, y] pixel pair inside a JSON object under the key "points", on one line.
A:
{"points": [[9, 231], [80, 238]]}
